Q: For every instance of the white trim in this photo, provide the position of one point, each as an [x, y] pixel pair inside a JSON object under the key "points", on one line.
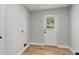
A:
{"points": [[51, 44], [73, 51], [70, 48], [23, 49], [34, 43], [42, 44], [64, 46]]}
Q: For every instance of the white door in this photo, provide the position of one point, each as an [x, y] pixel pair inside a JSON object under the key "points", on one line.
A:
{"points": [[50, 30]]}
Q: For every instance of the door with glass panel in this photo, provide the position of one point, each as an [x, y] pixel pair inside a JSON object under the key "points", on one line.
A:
{"points": [[50, 29]]}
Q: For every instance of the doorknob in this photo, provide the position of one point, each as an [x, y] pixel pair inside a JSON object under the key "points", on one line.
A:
{"points": [[0, 37], [44, 30]]}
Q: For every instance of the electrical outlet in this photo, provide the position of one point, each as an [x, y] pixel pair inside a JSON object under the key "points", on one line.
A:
{"points": [[25, 44]]}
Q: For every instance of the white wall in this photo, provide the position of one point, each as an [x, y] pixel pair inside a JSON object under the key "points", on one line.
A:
{"points": [[16, 19], [37, 27], [75, 27], [2, 28]]}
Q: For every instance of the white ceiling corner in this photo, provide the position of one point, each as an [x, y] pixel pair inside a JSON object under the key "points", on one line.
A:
{"points": [[35, 7]]}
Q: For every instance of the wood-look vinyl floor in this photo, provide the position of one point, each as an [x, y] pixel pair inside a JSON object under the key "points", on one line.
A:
{"points": [[46, 50]]}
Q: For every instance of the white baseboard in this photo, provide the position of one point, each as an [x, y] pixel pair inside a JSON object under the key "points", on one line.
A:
{"points": [[63, 46], [23, 49], [73, 51], [51, 44], [34, 43]]}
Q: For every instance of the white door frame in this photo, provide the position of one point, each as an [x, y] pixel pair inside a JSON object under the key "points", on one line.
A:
{"points": [[56, 25]]}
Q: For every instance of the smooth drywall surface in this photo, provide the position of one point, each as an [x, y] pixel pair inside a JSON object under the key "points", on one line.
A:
{"points": [[37, 25], [2, 28], [16, 28], [75, 27]]}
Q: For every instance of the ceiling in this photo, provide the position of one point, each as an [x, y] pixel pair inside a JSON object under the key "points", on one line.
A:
{"points": [[36, 7]]}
